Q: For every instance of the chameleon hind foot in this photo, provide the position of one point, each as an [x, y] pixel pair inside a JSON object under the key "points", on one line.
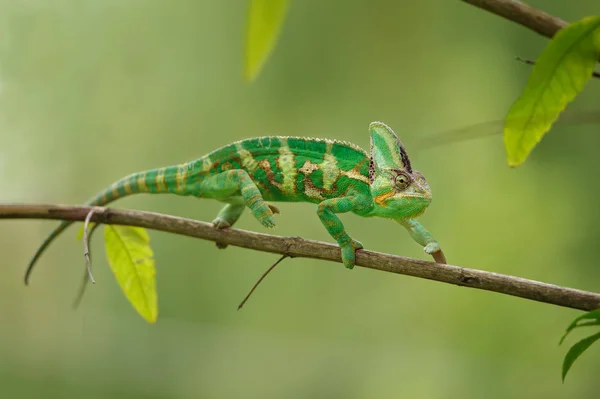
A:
{"points": [[237, 182], [267, 216], [232, 212], [348, 253], [220, 223], [267, 220], [229, 215], [264, 215]]}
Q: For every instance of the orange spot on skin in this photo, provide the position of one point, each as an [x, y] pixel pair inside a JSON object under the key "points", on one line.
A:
{"points": [[380, 199]]}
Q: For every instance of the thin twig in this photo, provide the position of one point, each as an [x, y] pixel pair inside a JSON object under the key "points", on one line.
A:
{"points": [[86, 247], [531, 62], [86, 275], [261, 279], [302, 248]]}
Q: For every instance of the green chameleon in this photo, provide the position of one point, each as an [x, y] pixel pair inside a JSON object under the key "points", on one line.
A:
{"points": [[339, 176]]}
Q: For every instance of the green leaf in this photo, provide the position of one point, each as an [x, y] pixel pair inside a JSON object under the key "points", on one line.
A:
{"points": [[132, 262], [576, 351], [265, 18], [594, 316], [560, 73]]}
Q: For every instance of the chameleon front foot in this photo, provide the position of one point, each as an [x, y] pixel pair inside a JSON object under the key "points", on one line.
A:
{"points": [[431, 248], [348, 253]]}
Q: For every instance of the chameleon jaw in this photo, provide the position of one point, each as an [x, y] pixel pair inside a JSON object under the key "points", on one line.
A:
{"points": [[380, 199]]}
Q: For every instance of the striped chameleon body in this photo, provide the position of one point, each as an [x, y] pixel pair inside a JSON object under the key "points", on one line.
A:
{"points": [[340, 177]]}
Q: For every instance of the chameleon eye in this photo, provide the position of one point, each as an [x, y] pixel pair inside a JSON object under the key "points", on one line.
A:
{"points": [[402, 181]]}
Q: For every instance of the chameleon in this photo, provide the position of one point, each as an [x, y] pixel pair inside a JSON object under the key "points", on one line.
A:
{"points": [[338, 176]]}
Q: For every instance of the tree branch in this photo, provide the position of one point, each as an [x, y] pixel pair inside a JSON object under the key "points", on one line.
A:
{"points": [[523, 14], [302, 248]]}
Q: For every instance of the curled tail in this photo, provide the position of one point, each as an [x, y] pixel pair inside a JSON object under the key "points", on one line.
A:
{"points": [[164, 180]]}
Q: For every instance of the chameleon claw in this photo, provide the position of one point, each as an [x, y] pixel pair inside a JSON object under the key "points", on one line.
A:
{"points": [[348, 253], [273, 208], [267, 219]]}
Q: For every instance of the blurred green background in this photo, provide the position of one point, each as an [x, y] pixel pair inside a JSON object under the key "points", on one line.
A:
{"points": [[93, 90]]}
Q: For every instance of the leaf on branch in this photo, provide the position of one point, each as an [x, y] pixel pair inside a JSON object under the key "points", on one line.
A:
{"points": [[576, 351], [587, 319], [265, 18], [558, 76], [132, 262]]}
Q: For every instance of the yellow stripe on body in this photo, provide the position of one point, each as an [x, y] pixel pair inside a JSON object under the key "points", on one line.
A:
{"points": [[114, 190], [160, 180], [127, 186], [248, 161], [329, 167], [141, 182], [206, 164], [287, 164], [181, 177], [310, 190], [355, 174]]}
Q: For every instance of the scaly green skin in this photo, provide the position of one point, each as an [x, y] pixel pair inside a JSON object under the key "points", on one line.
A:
{"points": [[338, 176]]}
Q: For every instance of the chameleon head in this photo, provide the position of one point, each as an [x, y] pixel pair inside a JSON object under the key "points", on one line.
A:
{"points": [[398, 191]]}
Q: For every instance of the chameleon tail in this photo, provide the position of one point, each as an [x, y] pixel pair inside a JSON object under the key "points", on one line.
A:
{"points": [[163, 180]]}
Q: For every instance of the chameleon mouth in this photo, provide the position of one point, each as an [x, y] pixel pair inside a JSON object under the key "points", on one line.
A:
{"points": [[381, 199]]}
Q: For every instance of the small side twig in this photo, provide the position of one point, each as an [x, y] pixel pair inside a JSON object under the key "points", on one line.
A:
{"points": [[86, 273], [531, 62], [261, 279], [86, 247]]}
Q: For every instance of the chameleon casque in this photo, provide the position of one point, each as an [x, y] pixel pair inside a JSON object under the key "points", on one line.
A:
{"points": [[338, 176]]}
